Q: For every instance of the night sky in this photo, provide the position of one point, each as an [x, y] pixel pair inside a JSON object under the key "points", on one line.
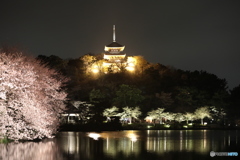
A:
{"points": [[186, 34]]}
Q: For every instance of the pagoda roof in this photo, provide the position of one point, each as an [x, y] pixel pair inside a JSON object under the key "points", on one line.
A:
{"points": [[114, 54], [114, 44]]}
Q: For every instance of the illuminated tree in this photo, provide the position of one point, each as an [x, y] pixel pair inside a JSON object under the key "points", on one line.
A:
{"points": [[141, 64], [130, 113], [169, 116], [121, 66], [88, 61], [179, 117], [189, 116], [110, 112], [219, 102], [217, 113], [31, 98], [157, 114], [98, 66], [202, 113], [131, 62]]}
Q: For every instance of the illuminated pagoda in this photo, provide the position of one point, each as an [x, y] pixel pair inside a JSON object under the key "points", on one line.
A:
{"points": [[114, 51], [114, 56]]}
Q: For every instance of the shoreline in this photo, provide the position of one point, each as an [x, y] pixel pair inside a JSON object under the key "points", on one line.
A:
{"points": [[120, 127]]}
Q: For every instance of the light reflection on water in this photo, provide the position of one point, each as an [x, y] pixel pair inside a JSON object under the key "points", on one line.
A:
{"points": [[81, 145], [167, 141], [47, 150]]}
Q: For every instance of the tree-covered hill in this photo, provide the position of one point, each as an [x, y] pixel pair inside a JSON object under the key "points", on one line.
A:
{"points": [[154, 86]]}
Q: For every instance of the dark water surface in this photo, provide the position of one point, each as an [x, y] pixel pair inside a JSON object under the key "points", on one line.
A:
{"points": [[145, 145]]}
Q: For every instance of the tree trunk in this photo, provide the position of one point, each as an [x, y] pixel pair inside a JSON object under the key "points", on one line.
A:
{"points": [[68, 119]]}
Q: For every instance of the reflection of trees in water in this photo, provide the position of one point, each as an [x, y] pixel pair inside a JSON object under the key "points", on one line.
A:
{"points": [[124, 142], [161, 141], [126, 146], [198, 141], [47, 150], [78, 145], [151, 144]]}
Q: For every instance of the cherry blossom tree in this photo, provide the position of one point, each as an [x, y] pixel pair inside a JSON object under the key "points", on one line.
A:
{"points": [[179, 117], [156, 114], [110, 112], [169, 116], [31, 98], [202, 113], [189, 116], [130, 112]]}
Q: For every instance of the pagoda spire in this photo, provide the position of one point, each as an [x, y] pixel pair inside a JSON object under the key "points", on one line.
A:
{"points": [[114, 47], [114, 34]]}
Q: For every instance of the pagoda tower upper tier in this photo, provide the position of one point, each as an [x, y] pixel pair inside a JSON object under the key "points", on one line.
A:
{"points": [[114, 47]]}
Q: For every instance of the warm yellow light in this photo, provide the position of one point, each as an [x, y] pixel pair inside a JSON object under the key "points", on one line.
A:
{"points": [[105, 64], [132, 136], [148, 119], [131, 60], [94, 70], [95, 136], [167, 126], [130, 68], [131, 64], [149, 126]]}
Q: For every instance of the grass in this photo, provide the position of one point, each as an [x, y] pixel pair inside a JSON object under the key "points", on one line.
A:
{"points": [[5, 140]]}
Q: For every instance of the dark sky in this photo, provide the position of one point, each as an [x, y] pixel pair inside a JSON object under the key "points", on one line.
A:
{"points": [[186, 34]]}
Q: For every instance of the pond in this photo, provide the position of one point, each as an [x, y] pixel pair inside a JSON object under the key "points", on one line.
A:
{"points": [[149, 144]]}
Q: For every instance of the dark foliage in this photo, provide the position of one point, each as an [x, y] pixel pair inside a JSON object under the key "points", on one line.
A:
{"points": [[161, 86]]}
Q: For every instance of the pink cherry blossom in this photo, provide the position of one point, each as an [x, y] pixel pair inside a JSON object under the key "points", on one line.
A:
{"points": [[31, 98]]}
